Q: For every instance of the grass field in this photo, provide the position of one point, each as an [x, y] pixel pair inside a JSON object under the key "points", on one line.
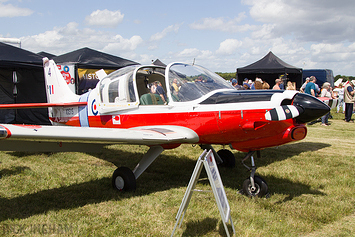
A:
{"points": [[311, 182]]}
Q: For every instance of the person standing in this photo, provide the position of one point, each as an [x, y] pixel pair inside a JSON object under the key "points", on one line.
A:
{"points": [[277, 84], [328, 93], [314, 79], [311, 87], [340, 93], [304, 85], [349, 100]]}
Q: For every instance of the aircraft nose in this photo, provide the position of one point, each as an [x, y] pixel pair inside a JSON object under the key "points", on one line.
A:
{"points": [[313, 107]]}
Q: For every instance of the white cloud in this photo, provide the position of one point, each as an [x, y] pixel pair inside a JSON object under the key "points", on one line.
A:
{"points": [[104, 18], [65, 39], [8, 10], [306, 34], [332, 53], [263, 32], [222, 24], [229, 46], [328, 21], [121, 44], [192, 52], [323, 48], [167, 30]]}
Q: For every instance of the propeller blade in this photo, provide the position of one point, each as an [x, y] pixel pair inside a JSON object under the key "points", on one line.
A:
{"points": [[283, 112]]}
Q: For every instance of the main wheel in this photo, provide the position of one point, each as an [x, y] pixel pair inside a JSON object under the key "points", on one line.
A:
{"points": [[227, 157], [123, 179], [260, 190]]}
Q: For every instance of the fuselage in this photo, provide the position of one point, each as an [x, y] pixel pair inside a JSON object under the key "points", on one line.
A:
{"points": [[203, 102], [243, 125]]}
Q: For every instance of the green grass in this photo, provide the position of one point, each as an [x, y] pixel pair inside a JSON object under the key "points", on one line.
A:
{"points": [[311, 183]]}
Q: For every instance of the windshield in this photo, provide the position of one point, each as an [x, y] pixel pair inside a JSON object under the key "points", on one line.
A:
{"points": [[189, 82]]}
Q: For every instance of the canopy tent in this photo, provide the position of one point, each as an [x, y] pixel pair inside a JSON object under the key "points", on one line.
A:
{"points": [[270, 68], [21, 81], [159, 63], [47, 55], [82, 64]]}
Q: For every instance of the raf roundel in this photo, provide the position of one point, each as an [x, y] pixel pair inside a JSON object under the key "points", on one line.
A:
{"points": [[94, 108]]}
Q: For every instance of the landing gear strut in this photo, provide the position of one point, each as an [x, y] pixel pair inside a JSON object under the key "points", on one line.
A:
{"points": [[254, 186]]}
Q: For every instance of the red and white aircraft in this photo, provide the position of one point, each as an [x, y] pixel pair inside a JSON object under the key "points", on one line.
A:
{"points": [[199, 107]]}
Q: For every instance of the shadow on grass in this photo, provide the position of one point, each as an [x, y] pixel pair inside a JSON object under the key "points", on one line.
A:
{"points": [[13, 171], [199, 228], [165, 173], [284, 152]]}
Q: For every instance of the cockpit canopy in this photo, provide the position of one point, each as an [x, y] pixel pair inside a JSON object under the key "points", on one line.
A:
{"points": [[180, 82]]}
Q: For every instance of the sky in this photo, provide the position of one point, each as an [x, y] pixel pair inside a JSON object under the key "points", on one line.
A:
{"points": [[219, 35]]}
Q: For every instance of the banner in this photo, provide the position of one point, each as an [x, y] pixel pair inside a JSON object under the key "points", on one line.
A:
{"points": [[87, 79]]}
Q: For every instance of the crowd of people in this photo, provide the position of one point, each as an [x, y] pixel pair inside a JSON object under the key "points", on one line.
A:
{"points": [[345, 93], [259, 84]]}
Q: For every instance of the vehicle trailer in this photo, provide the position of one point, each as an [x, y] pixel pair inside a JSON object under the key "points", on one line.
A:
{"points": [[322, 75]]}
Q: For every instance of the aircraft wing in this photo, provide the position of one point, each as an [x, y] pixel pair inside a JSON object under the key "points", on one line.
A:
{"points": [[63, 138]]}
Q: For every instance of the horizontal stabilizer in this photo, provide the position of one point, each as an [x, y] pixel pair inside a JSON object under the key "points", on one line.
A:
{"points": [[283, 112]]}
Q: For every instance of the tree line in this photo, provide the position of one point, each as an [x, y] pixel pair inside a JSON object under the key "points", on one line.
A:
{"points": [[345, 78], [227, 75]]}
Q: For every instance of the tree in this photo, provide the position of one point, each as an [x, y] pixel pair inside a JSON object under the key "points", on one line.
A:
{"points": [[227, 75], [345, 78]]}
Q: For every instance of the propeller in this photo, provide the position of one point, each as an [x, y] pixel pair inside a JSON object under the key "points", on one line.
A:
{"points": [[283, 112]]}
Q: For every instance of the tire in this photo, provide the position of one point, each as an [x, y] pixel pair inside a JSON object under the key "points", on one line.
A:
{"points": [[261, 188], [123, 179], [227, 157]]}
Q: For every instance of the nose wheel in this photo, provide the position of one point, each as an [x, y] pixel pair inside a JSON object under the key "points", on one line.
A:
{"points": [[254, 186], [259, 189]]}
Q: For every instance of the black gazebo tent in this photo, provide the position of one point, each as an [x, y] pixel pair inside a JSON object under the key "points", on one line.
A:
{"points": [[270, 68], [21, 81], [47, 55], [159, 63], [90, 60]]}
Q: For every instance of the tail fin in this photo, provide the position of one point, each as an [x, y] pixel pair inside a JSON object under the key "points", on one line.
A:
{"points": [[56, 87]]}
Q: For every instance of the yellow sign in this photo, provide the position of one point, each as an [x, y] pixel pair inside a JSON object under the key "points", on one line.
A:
{"points": [[89, 74]]}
